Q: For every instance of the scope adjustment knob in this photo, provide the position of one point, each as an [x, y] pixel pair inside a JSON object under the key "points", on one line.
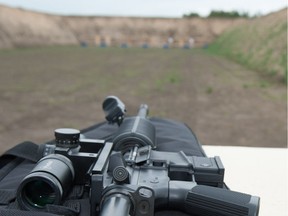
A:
{"points": [[67, 137]]}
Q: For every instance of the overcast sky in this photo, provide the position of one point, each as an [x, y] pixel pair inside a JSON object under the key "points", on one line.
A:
{"points": [[155, 8]]}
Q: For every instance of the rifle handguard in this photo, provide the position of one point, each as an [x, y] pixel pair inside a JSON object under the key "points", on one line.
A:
{"points": [[135, 131]]}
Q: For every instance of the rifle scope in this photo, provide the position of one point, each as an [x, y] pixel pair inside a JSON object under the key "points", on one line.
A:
{"points": [[47, 183]]}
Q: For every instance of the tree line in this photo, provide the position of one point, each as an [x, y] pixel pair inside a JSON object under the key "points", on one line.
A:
{"points": [[220, 14]]}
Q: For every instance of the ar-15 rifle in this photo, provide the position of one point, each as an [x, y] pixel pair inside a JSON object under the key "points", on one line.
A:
{"points": [[128, 176], [134, 179]]}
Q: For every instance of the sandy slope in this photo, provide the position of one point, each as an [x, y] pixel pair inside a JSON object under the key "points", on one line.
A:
{"points": [[22, 28]]}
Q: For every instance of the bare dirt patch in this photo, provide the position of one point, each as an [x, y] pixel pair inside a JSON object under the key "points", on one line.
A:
{"points": [[224, 103]]}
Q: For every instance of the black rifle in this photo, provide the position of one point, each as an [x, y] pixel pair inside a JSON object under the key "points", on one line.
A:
{"points": [[135, 180], [128, 176]]}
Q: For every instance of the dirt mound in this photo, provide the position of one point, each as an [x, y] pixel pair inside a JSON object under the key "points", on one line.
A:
{"points": [[21, 28], [152, 31]]}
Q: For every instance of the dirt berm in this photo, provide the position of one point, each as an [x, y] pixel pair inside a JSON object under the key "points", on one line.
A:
{"points": [[22, 28]]}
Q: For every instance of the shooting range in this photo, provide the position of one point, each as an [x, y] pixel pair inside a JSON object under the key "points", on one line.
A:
{"points": [[222, 74]]}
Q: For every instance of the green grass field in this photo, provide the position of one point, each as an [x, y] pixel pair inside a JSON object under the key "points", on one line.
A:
{"points": [[69, 69], [224, 103]]}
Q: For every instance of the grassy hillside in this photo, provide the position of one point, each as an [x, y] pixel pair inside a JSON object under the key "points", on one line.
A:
{"points": [[260, 44]]}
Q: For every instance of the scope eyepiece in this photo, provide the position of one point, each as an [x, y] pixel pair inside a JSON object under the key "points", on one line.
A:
{"points": [[47, 183]]}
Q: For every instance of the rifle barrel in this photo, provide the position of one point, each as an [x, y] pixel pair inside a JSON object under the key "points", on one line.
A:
{"points": [[143, 111]]}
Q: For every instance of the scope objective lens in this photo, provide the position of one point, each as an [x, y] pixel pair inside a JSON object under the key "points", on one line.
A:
{"points": [[38, 193], [47, 183]]}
